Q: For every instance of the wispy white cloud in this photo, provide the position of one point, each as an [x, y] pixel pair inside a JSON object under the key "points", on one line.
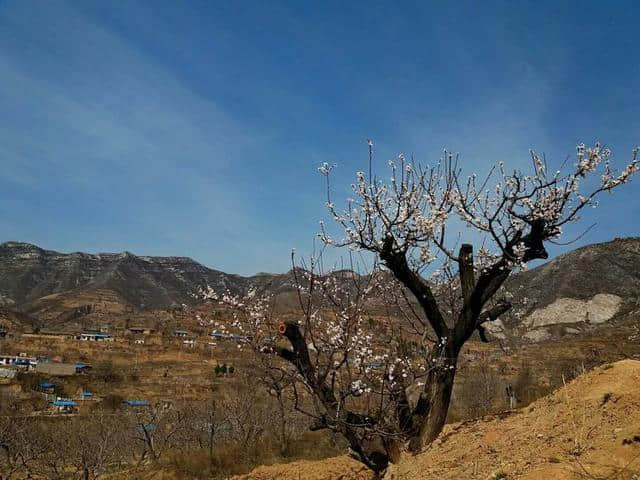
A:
{"points": [[167, 128], [93, 116]]}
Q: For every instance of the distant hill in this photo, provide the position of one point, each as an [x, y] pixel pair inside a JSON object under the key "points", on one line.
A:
{"points": [[28, 273], [574, 291], [612, 267]]}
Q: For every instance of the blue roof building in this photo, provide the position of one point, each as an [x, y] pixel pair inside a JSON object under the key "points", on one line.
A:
{"points": [[239, 338], [137, 403], [82, 367], [64, 405]]}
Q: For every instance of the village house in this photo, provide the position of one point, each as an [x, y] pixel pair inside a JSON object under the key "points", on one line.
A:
{"points": [[21, 362], [62, 369], [228, 336], [95, 337], [64, 405], [47, 387], [52, 335], [83, 367], [84, 394], [8, 373]]}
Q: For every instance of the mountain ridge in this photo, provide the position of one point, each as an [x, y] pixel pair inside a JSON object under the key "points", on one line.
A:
{"points": [[29, 272], [601, 279]]}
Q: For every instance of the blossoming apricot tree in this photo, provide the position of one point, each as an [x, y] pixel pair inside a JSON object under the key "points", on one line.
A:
{"points": [[376, 354]]}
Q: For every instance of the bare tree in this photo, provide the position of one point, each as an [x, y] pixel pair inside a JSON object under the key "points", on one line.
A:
{"points": [[247, 417], [205, 427], [155, 429], [279, 386], [94, 445], [11, 454], [41, 445], [476, 395], [23, 446], [385, 381]]}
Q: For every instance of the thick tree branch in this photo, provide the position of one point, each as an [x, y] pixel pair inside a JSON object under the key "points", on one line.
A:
{"points": [[492, 278], [465, 266], [490, 315], [397, 263], [403, 409], [495, 312], [301, 359]]}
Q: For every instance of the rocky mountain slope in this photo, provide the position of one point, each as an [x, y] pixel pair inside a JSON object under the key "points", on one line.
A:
{"points": [[609, 268], [575, 291], [29, 273], [578, 290]]}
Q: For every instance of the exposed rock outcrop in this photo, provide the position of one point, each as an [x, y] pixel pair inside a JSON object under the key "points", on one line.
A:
{"points": [[578, 290], [598, 309], [28, 273]]}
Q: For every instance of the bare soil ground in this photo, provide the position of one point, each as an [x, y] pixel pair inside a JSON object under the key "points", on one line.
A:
{"points": [[589, 429], [338, 468]]}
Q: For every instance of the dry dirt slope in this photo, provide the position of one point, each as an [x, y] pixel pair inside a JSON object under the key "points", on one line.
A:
{"points": [[588, 430]]}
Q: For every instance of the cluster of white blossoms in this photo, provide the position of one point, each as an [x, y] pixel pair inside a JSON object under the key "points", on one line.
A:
{"points": [[250, 315], [636, 333], [416, 204], [203, 322], [363, 355], [358, 387]]}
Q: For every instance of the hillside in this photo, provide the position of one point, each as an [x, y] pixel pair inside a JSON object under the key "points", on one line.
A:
{"points": [[611, 267], [55, 288], [574, 292], [29, 273], [589, 429], [600, 281]]}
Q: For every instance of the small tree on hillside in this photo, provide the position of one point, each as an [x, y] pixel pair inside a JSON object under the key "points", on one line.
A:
{"points": [[384, 380]]}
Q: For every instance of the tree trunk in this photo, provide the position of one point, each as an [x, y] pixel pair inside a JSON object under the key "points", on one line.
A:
{"points": [[435, 421], [211, 449], [373, 453], [431, 410], [284, 444], [149, 440]]}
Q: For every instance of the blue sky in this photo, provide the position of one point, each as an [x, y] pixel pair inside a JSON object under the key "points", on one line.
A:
{"points": [[196, 127]]}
